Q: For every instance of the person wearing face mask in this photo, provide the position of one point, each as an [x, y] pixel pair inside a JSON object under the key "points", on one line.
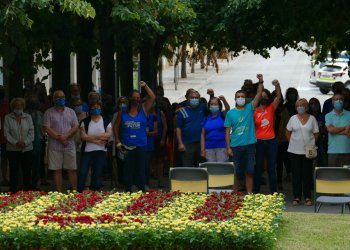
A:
{"points": [[95, 131], [285, 112], [315, 110], [240, 134], [188, 134], [121, 105], [213, 144], [337, 88], [302, 130], [337, 124], [37, 117], [61, 124], [19, 133], [74, 91], [4, 110], [130, 131], [266, 146]]}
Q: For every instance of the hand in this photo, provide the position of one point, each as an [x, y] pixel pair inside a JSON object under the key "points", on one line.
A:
{"points": [[162, 143], [229, 151], [182, 147], [119, 146], [20, 144], [210, 92], [275, 83], [62, 138], [221, 97], [203, 153], [142, 84], [260, 78]]}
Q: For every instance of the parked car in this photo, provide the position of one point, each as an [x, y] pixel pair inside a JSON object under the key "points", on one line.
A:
{"points": [[331, 73]]}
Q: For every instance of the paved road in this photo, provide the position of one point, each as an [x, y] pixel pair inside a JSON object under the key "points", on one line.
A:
{"points": [[291, 69]]}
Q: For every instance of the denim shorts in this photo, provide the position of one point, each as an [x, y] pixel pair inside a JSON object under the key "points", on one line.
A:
{"points": [[244, 158]]}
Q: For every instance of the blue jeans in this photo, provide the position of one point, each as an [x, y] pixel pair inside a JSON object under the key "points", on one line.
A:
{"points": [[97, 160], [266, 150], [134, 169]]}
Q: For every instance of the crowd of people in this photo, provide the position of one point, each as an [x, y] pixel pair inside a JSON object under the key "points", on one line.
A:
{"points": [[145, 135]]}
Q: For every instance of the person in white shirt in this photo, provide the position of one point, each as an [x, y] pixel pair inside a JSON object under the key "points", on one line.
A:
{"points": [[95, 131], [302, 130]]}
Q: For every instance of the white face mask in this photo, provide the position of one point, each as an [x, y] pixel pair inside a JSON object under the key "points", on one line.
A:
{"points": [[240, 101]]}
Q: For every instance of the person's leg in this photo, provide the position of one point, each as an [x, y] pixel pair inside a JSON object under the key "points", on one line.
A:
{"points": [[332, 160], [271, 155], [55, 161], [188, 156], [120, 163], [140, 168], [148, 167], [249, 161], [36, 168], [295, 161], [307, 177], [83, 170], [128, 170], [221, 155], [4, 165], [286, 160], [210, 155], [70, 164], [98, 166], [197, 154], [14, 164], [237, 160], [279, 165], [259, 166], [27, 161]]}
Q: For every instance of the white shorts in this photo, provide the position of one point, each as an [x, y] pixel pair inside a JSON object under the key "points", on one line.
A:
{"points": [[62, 160]]}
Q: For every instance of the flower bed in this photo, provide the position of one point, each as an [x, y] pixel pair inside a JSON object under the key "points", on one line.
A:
{"points": [[151, 220]]}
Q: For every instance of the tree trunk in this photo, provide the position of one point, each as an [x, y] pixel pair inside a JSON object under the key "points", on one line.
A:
{"points": [[125, 67], [60, 69], [160, 72], [84, 73], [183, 60], [107, 65], [14, 78], [148, 64]]}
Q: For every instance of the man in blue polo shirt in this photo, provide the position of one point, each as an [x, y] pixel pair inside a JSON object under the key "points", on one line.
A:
{"points": [[188, 129], [240, 133], [338, 142]]}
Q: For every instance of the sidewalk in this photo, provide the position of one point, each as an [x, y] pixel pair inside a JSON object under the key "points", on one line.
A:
{"points": [[197, 80]]}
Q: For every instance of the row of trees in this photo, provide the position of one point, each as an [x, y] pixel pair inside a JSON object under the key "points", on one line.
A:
{"points": [[30, 29]]}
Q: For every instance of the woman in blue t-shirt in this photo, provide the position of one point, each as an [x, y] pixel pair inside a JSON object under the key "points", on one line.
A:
{"points": [[213, 144], [130, 132]]}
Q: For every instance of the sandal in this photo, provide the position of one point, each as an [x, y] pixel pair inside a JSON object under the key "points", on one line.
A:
{"points": [[296, 202], [308, 202]]}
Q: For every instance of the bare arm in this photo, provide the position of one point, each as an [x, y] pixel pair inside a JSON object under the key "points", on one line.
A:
{"points": [[116, 129], [155, 129], [257, 98], [226, 105], [288, 134], [278, 98], [148, 104], [165, 128], [203, 142], [336, 130], [179, 140], [227, 139], [316, 135]]}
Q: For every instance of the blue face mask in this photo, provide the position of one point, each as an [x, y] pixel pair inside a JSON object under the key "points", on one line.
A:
{"points": [[123, 105], [194, 102], [75, 97], [214, 108], [78, 109], [60, 102], [95, 111], [338, 105]]}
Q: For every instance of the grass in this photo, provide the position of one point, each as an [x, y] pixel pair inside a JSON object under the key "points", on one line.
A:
{"points": [[314, 231]]}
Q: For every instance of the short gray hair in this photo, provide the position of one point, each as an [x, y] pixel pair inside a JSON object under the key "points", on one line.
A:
{"points": [[17, 99]]}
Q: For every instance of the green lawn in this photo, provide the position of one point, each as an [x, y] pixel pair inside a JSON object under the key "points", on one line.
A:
{"points": [[314, 231]]}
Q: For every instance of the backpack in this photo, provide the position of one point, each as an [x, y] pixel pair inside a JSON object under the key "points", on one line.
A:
{"points": [[86, 121]]}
